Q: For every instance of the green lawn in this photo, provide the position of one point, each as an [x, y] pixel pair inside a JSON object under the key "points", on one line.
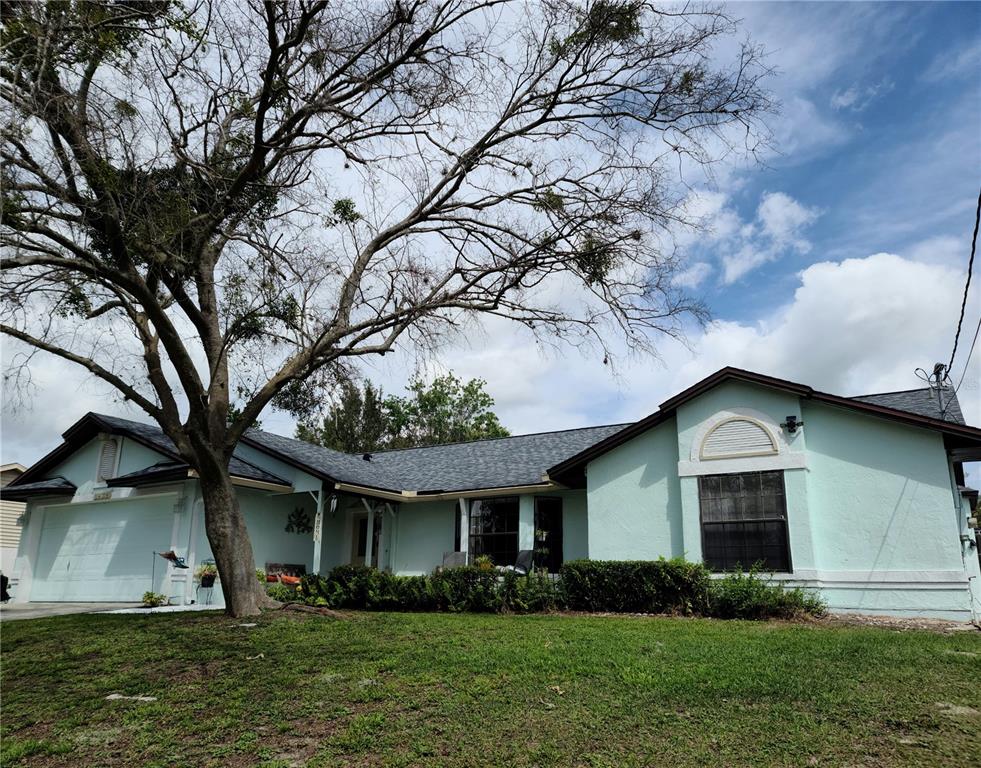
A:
{"points": [[465, 690]]}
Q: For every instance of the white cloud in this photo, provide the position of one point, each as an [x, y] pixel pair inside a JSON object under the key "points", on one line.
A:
{"points": [[857, 97], [58, 394], [860, 325], [694, 276], [783, 218], [962, 61], [777, 229], [942, 249]]}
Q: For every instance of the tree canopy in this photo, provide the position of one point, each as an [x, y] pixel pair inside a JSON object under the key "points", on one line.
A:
{"points": [[216, 202], [446, 410]]}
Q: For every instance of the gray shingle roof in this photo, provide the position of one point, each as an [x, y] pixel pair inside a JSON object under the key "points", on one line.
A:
{"points": [[343, 467], [497, 463], [153, 436], [53, 485], [923, 402]]}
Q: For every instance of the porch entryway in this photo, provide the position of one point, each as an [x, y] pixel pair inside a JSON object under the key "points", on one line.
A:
{"points": [[359, 538]]}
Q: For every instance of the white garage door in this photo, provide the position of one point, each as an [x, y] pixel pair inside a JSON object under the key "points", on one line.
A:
{"points": [[102, 551]]}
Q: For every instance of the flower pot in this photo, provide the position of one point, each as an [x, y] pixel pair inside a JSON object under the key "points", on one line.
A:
{"points": [[208, 580]]}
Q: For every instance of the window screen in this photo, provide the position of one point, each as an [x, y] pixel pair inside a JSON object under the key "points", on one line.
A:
{"points": [[744, 521], [494, 529]]}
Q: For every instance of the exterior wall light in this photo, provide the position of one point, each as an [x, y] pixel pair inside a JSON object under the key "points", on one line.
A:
{"points": [[792, 424]]}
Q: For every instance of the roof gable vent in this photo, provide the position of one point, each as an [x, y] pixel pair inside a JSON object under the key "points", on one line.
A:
{"points": [[737, 437], [107, 460]]}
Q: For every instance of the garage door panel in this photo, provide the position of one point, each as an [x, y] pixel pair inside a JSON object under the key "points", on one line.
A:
{"points": [[102, 551]]}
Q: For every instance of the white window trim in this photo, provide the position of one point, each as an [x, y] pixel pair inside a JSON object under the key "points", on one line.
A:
{"points": [[784, 458], [774, 445], [103, 439], [745, 464]]}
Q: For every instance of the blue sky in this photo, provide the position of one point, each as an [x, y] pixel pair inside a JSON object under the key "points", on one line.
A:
{"points": [[886, 151], [838, 261]]}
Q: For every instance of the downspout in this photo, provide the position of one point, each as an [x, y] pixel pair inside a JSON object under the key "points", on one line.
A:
{"points": [[969, 558]]}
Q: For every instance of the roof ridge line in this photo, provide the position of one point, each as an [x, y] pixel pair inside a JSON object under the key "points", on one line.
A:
{"points": [[895, 392], [489, 439]]}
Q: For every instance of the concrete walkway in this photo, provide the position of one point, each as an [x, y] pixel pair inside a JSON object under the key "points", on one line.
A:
{"points": [[13, 611]]}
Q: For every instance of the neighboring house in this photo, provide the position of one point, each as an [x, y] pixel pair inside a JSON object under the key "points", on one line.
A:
{"points": [[862, 498], [10, 512]]}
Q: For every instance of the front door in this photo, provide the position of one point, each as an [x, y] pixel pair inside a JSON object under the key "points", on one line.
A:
{"points": [[359, 539], [548, 533]]}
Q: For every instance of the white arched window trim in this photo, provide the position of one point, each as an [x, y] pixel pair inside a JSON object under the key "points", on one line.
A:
{"points": [[737, 454], [784, 458]]}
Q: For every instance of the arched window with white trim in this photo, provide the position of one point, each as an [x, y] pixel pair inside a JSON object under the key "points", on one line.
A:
{"points": [[738, 437]]}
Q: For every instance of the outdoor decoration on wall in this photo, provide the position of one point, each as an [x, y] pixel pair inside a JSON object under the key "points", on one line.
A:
{"points": [[298, 521]]}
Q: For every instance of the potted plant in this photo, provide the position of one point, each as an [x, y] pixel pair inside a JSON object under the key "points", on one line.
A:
{"points": [[206, 573], [154, 600]]}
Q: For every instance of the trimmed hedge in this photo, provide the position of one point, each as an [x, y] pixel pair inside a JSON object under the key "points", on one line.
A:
{"points": [[636, 586], [641, 586], [467, 589]]}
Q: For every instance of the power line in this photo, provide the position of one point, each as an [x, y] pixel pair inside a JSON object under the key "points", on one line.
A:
{"points": [[967, 285], [967, 363], [960, 321]]}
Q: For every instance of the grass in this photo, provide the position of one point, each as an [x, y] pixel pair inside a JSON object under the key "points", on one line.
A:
{"points": [[474, 690]]}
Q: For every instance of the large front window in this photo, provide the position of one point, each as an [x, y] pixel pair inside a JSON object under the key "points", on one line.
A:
{"points": [[494, 529], [744, 521]]}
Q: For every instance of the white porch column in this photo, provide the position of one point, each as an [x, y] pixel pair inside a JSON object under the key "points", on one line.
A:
{"points": [[464, 512], [318, 531], [369, 545], [389, 536]]}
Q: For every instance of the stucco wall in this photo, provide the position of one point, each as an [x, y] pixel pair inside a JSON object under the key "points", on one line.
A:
{"points": [[872, 518], [634, 499], [881, 492], [266, 517], [80, 467], [131, 456], [300, 480], [575, 528], [425, 532]]}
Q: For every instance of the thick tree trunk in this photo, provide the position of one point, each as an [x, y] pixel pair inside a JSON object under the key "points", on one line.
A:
{"points": [[231, 546]]}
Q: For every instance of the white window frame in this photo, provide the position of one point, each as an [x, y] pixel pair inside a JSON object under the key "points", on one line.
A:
{"points": [[785, 456], [103, 439], [774, 446]]}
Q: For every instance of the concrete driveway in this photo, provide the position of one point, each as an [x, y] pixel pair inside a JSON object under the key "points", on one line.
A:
{"points": [[13, 611]]}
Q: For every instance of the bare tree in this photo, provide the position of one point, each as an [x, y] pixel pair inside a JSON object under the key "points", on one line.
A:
{"points": [[224, 203]]}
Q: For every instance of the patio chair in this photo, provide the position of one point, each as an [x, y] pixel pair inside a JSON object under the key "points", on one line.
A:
{"points": [[523, 563]]}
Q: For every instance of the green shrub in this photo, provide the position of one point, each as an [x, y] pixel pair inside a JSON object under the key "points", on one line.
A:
{"points": [[656, 586], [534, 593], [283, 593], [751, 596], [468, 588], [636, 586]]}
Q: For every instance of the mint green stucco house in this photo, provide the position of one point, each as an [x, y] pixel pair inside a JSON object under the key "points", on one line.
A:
{"points": [[860, 498]]}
